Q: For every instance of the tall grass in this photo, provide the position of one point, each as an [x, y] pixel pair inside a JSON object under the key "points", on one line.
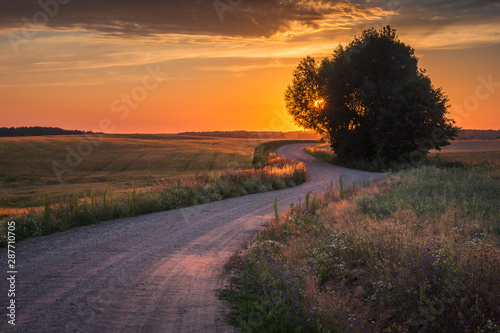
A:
{"points": [[325, 153], [322, 153], [264, 151], [277, 174], [418, 252]]}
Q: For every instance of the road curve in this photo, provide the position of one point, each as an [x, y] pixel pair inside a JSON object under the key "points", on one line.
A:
{"points": [[152, 273]]}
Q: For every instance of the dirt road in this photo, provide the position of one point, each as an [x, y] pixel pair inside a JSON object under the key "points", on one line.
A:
{"points": [[153, 273]]}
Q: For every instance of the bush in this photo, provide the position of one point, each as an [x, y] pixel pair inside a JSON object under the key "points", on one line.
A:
{"points": [[418, 252]]}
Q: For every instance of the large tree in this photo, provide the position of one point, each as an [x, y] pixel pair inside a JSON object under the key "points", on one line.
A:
{"points": [[372, 100]]}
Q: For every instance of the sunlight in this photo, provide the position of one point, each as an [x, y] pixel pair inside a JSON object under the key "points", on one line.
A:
{"points": [[320, 103]]}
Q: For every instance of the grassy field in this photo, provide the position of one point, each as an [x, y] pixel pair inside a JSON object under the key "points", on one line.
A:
{"points": [[462, 146], [130, 175], [119, 162], [417, 252], [480, 155]]}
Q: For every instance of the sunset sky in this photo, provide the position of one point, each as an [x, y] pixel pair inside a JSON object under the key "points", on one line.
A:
{"points": [[170, 66]]}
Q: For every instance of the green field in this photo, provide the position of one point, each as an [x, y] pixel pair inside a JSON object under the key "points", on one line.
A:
{"points": [[470, 146], [118, 161], [123, 161], [474, 153]]}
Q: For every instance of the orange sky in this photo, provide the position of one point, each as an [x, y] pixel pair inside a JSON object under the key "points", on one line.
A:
{"points": [[221, 68]]}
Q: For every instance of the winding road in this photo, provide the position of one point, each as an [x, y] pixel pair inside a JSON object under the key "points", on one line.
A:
{"points": [[152, 273]]}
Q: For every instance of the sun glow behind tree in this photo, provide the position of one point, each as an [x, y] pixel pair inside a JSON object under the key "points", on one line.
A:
{"points": [[372, 100]]}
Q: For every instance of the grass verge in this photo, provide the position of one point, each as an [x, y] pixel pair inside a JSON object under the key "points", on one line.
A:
{"points": [[417, 252], [277, 173], [263, 151], [326, 154]]}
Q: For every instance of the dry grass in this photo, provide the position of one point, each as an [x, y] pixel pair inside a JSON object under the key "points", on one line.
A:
{"points": [[119, 162], [417, 252], [278, 173]]}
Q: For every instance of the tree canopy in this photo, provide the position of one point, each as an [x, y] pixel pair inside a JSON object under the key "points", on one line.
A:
{"points": [[371, 99]]}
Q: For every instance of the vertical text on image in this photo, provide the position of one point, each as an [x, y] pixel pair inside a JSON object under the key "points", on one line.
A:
{"points": [[120, 106], [11, 272]]}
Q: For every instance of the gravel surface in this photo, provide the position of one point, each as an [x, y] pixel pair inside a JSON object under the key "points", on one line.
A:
{"points": [[152, 273]]}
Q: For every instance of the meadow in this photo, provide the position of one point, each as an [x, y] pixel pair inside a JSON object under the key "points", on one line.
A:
{"points": [[131, 175], [416, 252], [120, 162]]}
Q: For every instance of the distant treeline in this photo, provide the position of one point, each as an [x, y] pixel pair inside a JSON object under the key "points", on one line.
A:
{"points": [[38, 131], [256, 135], [237, 134], [466, 134], [469, 134]]}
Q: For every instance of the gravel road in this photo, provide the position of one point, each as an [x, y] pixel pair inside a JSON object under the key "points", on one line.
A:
{"points": [[152, 273]]}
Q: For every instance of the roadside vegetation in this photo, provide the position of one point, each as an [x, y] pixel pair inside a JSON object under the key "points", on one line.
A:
{"points": [[324, 152], [416, 252], [263, 151], [88, 207]]}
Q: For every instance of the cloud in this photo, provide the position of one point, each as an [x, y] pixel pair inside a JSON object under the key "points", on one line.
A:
{"points": [[237, 18], [89, 34], [125, 18], [56, 84]]}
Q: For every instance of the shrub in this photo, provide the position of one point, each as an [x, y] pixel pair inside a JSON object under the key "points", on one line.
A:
{"points": [[417, 252]]}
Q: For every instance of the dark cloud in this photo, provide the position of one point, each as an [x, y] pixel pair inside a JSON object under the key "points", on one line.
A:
{"points": [[245, 18], [429, 18], [130, 17], [445, 11]]}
